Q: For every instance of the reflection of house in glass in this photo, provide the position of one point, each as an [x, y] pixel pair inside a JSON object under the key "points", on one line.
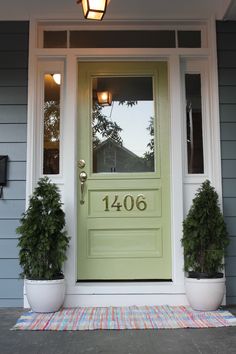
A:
{"points": [[109, 156]]}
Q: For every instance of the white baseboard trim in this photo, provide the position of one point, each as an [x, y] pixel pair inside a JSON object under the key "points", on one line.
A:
{"points": [[124, 300], [100, 300]]}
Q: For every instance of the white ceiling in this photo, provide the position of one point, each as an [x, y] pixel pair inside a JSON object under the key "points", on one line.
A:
{"points": [[121, 9]]}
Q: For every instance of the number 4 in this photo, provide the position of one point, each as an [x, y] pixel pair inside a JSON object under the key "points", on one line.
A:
{"points": [[116, 204]]}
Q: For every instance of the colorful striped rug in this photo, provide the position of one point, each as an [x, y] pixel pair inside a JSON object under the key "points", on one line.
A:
{"points": [[133, 317]]}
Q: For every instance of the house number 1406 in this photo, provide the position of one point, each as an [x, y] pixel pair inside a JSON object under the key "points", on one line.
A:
{"points": [[128, 202]]}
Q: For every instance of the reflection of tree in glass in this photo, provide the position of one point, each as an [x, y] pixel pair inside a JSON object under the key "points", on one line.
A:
{"points": [[104, 127], [149, 155], [128, 103], [51, 121]]}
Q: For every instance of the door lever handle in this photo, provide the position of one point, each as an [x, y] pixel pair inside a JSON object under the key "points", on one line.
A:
{"points": [[83, 177]]}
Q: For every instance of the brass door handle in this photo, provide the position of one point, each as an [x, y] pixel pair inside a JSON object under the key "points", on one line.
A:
{"points": [[82, 177]]}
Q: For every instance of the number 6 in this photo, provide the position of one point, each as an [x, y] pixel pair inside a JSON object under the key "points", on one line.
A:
{"points": [[141, 203]]}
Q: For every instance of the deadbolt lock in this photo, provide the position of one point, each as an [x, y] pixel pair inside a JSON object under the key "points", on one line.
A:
{"points": [[81, 164]]}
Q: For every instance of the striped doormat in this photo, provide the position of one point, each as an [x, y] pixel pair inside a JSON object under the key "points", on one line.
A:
{"points": [[133, 317]]}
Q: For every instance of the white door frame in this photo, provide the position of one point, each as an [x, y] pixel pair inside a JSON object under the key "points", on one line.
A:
{"points": [[135, 293]]}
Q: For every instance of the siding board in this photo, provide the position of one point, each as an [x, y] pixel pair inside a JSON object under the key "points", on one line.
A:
{"points": [[228, 150], [13, 114], [13, 95], [15, 190], [226, 41], [9, 269], [11, 209], [230, 263], [227, 94], [8, 248], [11, 302], [231, 286], [13, 77], [231, 250], [8, 228], [13, 61], [16, 171], [228, 131], [229, 168], [229, 187], [227, 76], [14, 27], [13, 134], [227, 59], [231, 225], [225, 26], [229, 205], [11, 288], [13, 41], [15, 151], [228, 112]]}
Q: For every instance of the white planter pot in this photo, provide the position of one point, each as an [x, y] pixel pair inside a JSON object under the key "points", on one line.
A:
{"points": [[45, 295], [205, 294]]}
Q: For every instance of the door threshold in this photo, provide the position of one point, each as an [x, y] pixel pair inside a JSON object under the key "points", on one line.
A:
{"points": [[123, 280]]}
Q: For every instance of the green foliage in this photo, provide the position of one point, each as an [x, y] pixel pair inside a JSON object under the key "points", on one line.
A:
{"points": [[51, 121], [43, 241], [204, 233], [104, 126]]}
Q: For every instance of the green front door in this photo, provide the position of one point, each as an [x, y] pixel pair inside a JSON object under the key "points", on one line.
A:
{"points": [[123, 171]]}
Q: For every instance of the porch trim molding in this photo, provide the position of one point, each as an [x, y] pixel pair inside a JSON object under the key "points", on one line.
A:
{"points": [[105, 294]]}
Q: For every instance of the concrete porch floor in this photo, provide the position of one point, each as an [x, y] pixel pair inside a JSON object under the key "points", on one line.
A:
{"points": [[177, 341]]}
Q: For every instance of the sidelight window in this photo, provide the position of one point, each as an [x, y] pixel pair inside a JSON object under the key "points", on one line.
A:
{"points": [[51, 123], [194, 129]]}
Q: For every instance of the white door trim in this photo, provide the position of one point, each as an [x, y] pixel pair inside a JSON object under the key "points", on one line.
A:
{"points": [[97, 294]]}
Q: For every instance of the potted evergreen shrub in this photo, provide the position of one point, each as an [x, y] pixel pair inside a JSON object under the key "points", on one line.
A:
{"points": [[43, 243], [204, 241]]}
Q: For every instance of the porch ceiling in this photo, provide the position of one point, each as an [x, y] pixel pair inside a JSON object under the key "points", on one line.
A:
{"points": [[121, 9]]}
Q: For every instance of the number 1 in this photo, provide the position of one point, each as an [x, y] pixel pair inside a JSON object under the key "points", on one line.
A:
{"points": [[106, 200]]}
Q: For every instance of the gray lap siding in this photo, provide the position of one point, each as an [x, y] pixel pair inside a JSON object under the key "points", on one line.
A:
{"points": [[226, 46], [14, 37]]}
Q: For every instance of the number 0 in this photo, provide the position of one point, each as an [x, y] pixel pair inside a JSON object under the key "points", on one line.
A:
{"points": [[129, 205]]}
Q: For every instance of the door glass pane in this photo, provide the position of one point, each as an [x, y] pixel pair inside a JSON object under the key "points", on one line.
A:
{"points": [[123, 124], [51, 141], [194, 123]]}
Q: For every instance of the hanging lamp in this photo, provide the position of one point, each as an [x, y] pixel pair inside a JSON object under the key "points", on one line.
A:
{"points": [[94, 9]]}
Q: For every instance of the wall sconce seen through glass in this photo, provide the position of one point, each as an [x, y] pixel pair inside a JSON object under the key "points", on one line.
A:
{"points": [[104, 98]]}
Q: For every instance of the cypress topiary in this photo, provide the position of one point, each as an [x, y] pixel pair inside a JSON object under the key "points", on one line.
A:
{"points": [[43, 241], [205, 235]]}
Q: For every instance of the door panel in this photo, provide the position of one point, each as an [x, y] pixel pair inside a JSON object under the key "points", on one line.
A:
{"points": [[124, 203]]}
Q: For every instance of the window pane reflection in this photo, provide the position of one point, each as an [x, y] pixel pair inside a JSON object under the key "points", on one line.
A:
{"points": [[123, 128], [51, 125], [194, 123]]}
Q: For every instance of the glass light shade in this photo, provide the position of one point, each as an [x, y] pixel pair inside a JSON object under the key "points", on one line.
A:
{"points": [[94, 9], [104, 98], [57, 78]]}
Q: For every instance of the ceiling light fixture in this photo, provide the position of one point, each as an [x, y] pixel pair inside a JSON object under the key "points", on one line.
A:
{"points": [[94, 9]]}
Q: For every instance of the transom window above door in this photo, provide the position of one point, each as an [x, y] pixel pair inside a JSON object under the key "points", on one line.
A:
{"points": [[162, 38]]}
